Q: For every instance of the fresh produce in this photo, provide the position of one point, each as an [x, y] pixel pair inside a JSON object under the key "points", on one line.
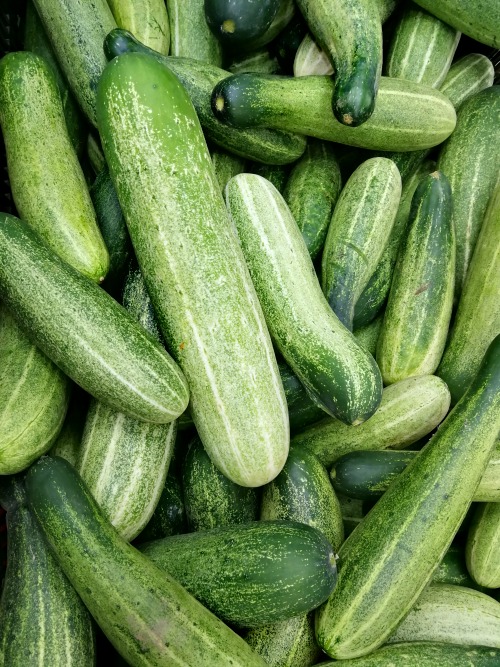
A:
{"points": [[466, 77], [226, 166], [147, 20], [169, 517], [452, 569], [237, 23], [483, 546], [190, 36]]}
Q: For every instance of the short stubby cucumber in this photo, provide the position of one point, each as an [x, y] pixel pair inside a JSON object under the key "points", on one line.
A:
{"points": [[483, 546], [147, 20], [288, 643], [335, 370], [190, 36]]}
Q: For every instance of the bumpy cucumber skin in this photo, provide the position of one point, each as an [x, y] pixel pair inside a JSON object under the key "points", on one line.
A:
{"points": [[226, 166], [339, 375], [412, 525], [409, 410], [128, 596], [358, 233], [147, 20], [84, 331], [193, 267], [199, 79], [190, 36], [466, 77], [483, 546], [47, 182], [42, 619]]}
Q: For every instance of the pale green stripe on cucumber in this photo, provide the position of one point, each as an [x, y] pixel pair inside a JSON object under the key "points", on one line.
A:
{"points": [[147, 20], [190, 36], [310, 60], [483, 546], [226, 166], [257, 61], [466, 77]]}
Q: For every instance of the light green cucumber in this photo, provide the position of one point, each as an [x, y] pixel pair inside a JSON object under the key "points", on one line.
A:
{"points": [[340, 375], [226, 166], [409, 410], [367, 336], [190, 36], [193, 267], [310, 60], [358, 233], [311, 192], [46, 179], [147, 20], [466, 77], [483, 546]]}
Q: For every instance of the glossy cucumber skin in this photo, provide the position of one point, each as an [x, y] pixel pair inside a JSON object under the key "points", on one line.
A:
{"points": [[339, 375], [46, 179], [412, 525], [193, 267], [199, 79], [360, 229], [237, 23], [409, 410], [84, 331], [279, 569], [466, 77], [128, 596], [226, 166], [169, 517], [42, 619], [483, 546], [147, 20], [190, 36]]}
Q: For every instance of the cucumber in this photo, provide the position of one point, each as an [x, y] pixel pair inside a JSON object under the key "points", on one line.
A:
{"points": [[226, 166], [128, 596], [407, 117], [477, 320], [341, 377], [190, 36], [310, 60], [67, 443], [466, 77], [358, 233], [275, 174], [285, 46], [367, 336], [199, 79], [169, 517], [471, 160], [409, 410], [418, 311], [47, 182], [412, 525], [311, 193], [302, 410], [198, 282], [76, 29], [453, 570], [256, 61], [236, 23], [34, 397], [483, 546], [42, 619], [211, 500], [147, 20], [84, 331], [251, 574], [94, 154]]}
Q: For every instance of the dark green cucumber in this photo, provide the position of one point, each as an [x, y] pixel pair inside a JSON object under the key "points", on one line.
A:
{"points": [[212, 500], [453, 570], [407, 117], [412, 525], [237, 23], [84, 331], [147, 20], [367, 336], [483, 546], [148, 617], [256, 61], [285, 46], [199, 79], [252, 574], [312, 191], [42, 619], [226, 166], [302, 410], [275, 174], [190, 36], [94, 154], [169, 517]]}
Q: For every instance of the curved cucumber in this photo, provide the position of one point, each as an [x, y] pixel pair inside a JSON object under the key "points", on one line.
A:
{"points": [[190, 36], [147, 20], [483, 546], [302, 410], [466, 77]]}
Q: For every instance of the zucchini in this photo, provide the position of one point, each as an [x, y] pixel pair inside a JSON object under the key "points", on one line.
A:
{"points": [[226, 166], [84, 331], [412, 525], [147, 20], [47, 182], [367, 336], [311, 193], [360, 229], [128, 596], [407, 117], [214, 327], [483, 546], [275, 174], [169, 517], [466, 77], [409, 410], [42, 619], [251, 574], [190, 36], [341, 377]]}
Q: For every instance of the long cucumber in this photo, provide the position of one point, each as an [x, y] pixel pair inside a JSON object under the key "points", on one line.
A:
{"points": [[147, 20], [289, 643], [483, 546], [190, 36]]}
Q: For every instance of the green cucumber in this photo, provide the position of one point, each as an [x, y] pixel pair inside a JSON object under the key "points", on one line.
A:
{"points": [[418, 311], [477, 320], [407, 117], [211, 500], [84, 331], [310, 60], [275, 174], [76, 29], [169, 517], [147, 20], [285, 46], [453, 570], [466, 77], [148, 617], [94, 154], [252, 574], [190, 36], [198, 281], [340, 376], [412, 525], [359, 231], [226, 166], [42, 619], [47, 182], [471, 159], [34, 396], [302, 410], [367, 336], [256, 61], [409, 410], [67, 443], [236, 23], [421, 48], [312, 191], [483, 546]]}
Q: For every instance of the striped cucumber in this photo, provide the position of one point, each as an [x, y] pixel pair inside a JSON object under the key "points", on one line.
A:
{"points": [[289, 643], [169, 517], [148, 617], [190, 36], [409, 410], [407, 117], [367, 336], [226, 166], [477, 320], [147, 20], [483, 546], [47, 182], [358, 233], [342, 378], [412, 525], [466, 77], [198, 282], [311, 192], [418, 312], [84, 331]]}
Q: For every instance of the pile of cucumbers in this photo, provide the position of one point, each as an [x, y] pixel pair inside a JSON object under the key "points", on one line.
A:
{"points": [[250, 333]]}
